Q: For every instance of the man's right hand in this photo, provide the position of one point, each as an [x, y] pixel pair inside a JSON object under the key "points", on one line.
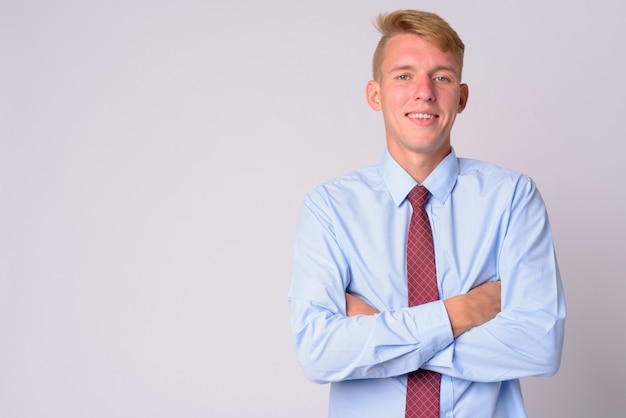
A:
{"points": [[474, 308]]}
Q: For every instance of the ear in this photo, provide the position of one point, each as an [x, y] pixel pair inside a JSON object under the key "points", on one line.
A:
{"points": [[463, 97], [372, 93]]}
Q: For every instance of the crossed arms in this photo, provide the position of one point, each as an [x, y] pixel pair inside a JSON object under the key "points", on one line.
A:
{"points": [[472, 309], [481, 330]]}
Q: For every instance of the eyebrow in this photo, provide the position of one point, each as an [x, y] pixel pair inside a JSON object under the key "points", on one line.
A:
{"points": [[412, 68]]}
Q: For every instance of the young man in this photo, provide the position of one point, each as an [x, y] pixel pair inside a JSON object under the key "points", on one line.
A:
{"points": [[498, 311]]}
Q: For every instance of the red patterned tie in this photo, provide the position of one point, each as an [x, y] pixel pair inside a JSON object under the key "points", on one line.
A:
{"points": [[422, 392]]}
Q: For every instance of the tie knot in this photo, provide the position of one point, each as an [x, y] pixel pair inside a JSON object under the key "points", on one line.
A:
{"points": [[417, 196]]}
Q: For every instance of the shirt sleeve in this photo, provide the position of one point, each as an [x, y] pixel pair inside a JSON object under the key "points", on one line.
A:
{"points": [[332, 347], [526, 337]]}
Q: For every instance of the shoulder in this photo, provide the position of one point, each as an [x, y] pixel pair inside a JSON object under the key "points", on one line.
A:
{"points": [[480, 178], [348, 186], [490, 173], [496, 183]]}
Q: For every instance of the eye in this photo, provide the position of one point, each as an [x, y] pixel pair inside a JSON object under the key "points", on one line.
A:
{"points": [[403, 77], [441, 78]]}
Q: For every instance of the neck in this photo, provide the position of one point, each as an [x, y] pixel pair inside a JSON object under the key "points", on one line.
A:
{"points": [[419, 165]]}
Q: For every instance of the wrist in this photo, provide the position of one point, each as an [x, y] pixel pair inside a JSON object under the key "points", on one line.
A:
{"points": [[458, 314]]}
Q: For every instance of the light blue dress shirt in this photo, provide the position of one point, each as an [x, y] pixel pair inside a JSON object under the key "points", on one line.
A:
{"points": [[488, 223]]}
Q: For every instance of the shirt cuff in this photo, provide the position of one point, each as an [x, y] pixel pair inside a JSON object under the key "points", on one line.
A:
{"points": [[434, 328]]}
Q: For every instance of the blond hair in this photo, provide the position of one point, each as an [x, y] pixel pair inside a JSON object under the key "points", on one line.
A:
{"points": [[425, 24]]}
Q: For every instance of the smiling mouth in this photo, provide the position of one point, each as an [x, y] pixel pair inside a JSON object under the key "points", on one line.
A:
{"points": [[421, 116]]}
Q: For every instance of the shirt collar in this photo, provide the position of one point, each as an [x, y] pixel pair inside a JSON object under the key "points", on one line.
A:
{"points": [[440, 182]]}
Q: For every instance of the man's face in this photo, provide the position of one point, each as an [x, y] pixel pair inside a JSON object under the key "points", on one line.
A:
{"points": [[420, 95]]}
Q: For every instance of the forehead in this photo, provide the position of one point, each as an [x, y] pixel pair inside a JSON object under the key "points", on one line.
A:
{"points": [[413, 50]]}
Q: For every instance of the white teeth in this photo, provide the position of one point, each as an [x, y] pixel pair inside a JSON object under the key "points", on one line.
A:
{"points": [[420, 116]]}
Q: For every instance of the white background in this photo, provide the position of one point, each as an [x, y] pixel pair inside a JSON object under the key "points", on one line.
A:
{"points": [[154, 155]]}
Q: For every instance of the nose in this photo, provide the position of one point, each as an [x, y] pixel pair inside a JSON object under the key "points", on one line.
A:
{"points": [[424, 89]]}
